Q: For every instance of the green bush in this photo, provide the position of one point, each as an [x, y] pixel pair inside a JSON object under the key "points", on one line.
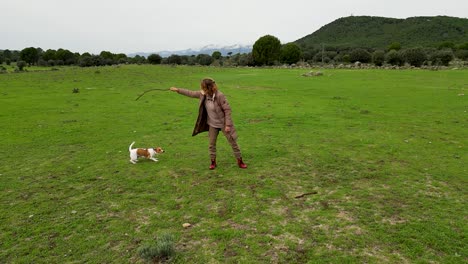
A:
{"points": [[174, 59], [346, 58], [21, 64], [442, 57], [321, 57], [414, 56], [360, 55], [159, 250], [463, 46], [204, 59], [393, 57], [394, 46], [290, 53], [462, 54], [446, 45], [378, 57]]}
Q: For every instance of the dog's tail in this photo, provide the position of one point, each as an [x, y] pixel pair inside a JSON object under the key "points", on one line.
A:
{"points": [[131, 145]]}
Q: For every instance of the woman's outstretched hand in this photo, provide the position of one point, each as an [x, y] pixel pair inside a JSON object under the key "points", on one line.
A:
{"points": [[174, 89]]}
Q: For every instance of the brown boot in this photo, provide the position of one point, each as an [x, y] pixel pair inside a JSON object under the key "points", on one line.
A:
{"points": [[241, 164], [213, 164]]}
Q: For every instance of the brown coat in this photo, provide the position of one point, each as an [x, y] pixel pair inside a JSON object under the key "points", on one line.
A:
{"points": [[222, 110]]}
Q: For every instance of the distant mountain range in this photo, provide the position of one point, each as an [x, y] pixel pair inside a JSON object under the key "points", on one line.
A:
{"points": [[225, 50], [361, 32]]}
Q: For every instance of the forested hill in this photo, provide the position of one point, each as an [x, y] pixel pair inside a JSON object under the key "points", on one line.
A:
{"points": [[380, 32]]}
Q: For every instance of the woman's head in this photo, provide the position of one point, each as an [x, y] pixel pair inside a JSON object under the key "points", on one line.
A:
{"points": [[208, 86]]}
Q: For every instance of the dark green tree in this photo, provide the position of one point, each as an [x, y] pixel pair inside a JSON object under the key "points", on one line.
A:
{"points": [[174, 59], [414, 56], [266, 50], [360, 55], [107, 57], [66, 56], [49, 55], [121, 58], [442, 57], [30, 55], [7, 54], [138, 59], [290, 53], [154, 59], [378, 57], [204, 59], [216, 55], [393, 57]]}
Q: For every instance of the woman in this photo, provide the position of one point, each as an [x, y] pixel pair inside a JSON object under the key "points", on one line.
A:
{"points": [[214, 115]]}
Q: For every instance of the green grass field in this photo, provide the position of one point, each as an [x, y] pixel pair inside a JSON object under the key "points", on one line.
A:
{"points": [[382, 152]]}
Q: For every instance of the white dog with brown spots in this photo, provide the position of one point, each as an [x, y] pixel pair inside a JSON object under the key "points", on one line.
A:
{"points": [[149, 153]]}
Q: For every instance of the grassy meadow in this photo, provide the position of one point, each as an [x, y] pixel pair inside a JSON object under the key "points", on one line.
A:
{"points": [[379, 157]]}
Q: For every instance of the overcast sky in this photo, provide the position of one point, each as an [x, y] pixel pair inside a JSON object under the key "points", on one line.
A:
{"points": [[127, 26]]}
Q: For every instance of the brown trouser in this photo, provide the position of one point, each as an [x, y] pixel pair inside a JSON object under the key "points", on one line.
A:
{"points": [[213, 135]]}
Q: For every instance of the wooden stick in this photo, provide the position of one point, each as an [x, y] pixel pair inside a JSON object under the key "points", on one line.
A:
{"points": [[155, 89], [304, 194]]}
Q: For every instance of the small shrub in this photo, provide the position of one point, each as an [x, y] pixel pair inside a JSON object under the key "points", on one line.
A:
{"points": [[346, 58], [378, 57], [21, 65], [321, 57], [42, 63], [159, 250]]}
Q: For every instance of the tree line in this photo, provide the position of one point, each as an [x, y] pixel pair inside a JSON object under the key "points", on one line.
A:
{"points": [[393, 54], [267, 51]]}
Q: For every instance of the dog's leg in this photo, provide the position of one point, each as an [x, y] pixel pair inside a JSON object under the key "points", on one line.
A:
{"points": [[155, 160], [133, 156]]}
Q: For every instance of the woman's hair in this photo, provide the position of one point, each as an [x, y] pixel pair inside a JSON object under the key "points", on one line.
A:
{"points": [[209, 86]]}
